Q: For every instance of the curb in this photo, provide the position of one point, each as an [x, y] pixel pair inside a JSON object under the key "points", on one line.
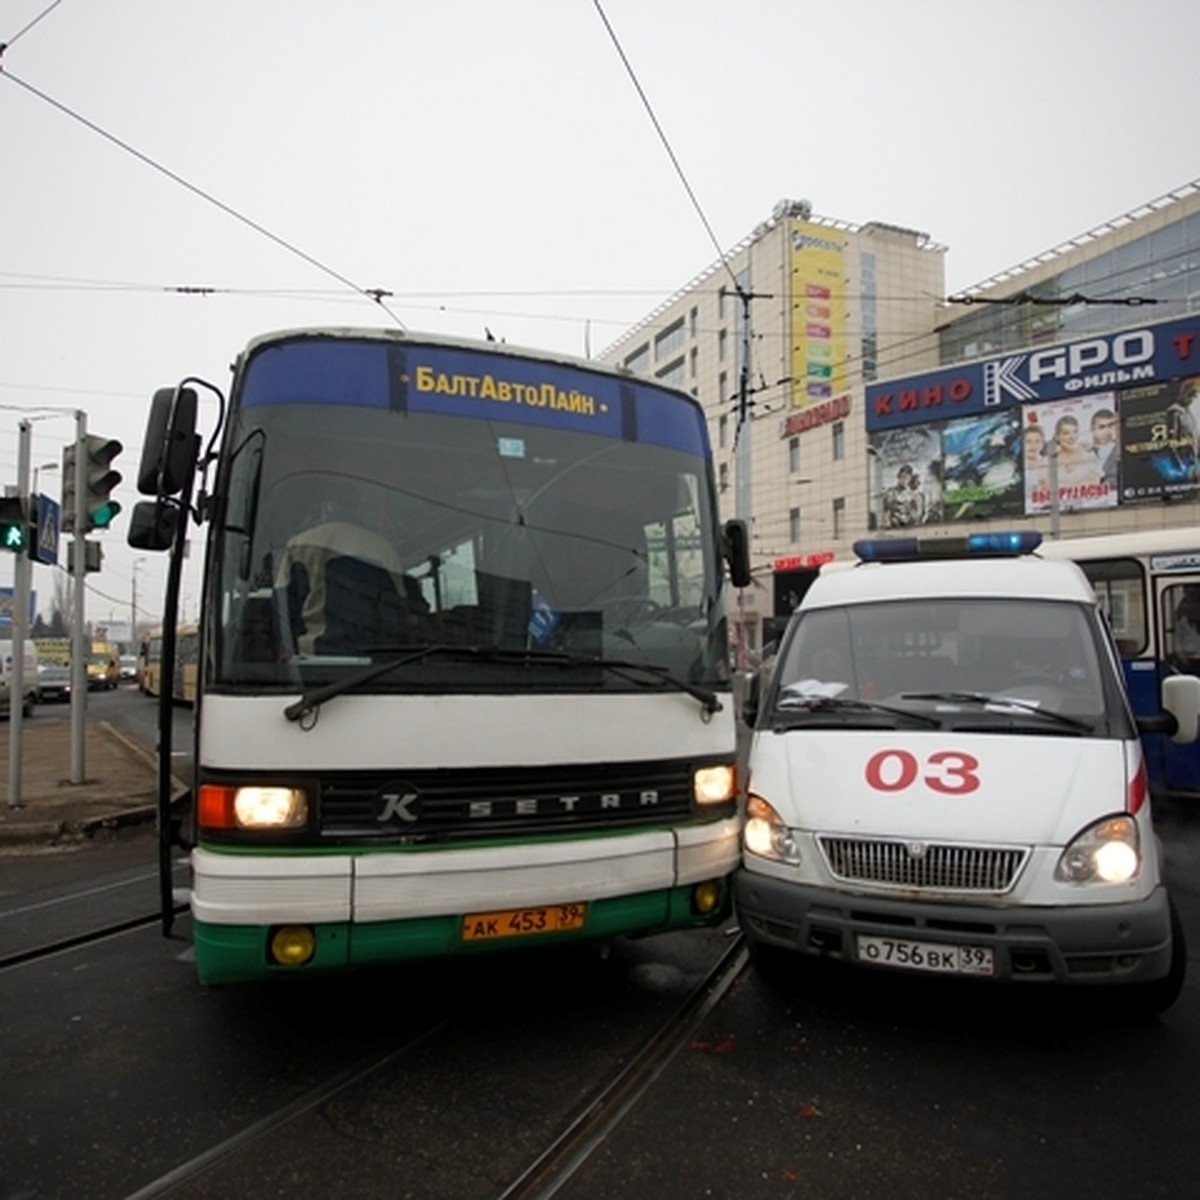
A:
{"points": [[66, 831], [42, 833]]}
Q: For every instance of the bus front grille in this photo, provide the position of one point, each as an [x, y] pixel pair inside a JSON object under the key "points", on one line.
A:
{"points": [[422, 806]]}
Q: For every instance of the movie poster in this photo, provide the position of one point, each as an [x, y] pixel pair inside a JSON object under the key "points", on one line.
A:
{"points": [[1082, 433], [906, 472], [982, 466], [1159, 428]]}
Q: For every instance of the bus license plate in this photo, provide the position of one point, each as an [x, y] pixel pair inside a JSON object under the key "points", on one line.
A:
{"points": [[522, 922], [925, 956]]}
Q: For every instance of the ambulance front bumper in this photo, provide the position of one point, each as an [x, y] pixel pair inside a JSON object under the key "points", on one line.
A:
{"points": [[1127, 942]]}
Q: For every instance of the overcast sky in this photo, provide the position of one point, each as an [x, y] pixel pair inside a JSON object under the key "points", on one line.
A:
{"points": [[491, 164]]}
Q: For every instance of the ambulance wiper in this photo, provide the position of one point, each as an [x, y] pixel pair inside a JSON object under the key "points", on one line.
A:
{"points": [[1000, 701], [829, 704], [312, 700]]}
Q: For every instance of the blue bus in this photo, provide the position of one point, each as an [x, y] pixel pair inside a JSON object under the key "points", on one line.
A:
{"points": [[1148, 584], [464, 676]]}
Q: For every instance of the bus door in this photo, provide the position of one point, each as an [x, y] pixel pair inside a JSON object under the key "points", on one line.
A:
{"points": [[1126, 592], [1177, 616]]}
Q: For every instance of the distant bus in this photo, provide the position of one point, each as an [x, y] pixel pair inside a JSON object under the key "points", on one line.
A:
{"points": [[1148, 583], [187, 657]]}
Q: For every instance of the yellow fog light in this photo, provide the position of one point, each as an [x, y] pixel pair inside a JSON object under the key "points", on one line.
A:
{"points": [[706, 896], [293, 945], [715, 785]]}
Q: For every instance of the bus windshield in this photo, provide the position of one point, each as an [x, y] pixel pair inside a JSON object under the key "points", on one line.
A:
{"points": [[359, 519]]}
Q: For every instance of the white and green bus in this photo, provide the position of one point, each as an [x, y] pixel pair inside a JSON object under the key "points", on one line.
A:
{"points": [[464, 674]]}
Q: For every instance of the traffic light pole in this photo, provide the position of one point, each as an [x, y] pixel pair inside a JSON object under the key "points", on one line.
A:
{"points": [[22, 569], [79, 648]]}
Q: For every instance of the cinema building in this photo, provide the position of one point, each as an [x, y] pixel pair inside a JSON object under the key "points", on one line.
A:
{"points": [[846, 393]]}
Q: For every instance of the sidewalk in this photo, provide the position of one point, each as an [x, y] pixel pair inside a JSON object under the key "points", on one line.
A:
{"points": [[120, 785]]}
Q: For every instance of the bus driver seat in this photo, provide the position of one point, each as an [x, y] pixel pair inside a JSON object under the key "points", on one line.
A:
{"points": [[357, 605]]}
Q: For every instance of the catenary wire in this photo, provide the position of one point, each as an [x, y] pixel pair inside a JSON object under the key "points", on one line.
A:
{"points": [[377, 295]]}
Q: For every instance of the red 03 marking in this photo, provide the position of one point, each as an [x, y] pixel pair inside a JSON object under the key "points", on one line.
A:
{"points": [[950, 772]]}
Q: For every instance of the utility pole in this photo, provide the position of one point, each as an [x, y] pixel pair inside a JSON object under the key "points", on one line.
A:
{"points": [[79, 648], [22, 569], [743, 494]]}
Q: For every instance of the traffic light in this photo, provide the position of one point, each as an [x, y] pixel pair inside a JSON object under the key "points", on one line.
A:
{"points": [[99, 480], [14, 524]]}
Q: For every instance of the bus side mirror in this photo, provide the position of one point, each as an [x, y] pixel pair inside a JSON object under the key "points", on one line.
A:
{"points": [[169, 450], [737, 552], [1181, 698], [153, 525]]}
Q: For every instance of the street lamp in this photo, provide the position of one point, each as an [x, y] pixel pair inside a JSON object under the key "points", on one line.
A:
{"points": [[50, 466]]}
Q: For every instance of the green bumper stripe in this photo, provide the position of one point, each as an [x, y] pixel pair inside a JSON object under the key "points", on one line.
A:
{"points": [[237, 953]]}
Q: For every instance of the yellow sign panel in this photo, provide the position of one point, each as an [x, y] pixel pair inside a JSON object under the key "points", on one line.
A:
{"points": [[818, 313]]}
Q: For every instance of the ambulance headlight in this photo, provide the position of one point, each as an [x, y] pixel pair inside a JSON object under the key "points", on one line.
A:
{"points": [[767, 835], [1107, 852]]}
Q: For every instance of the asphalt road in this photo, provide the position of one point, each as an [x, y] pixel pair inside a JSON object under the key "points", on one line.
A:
{"points": [[119, 1067]]}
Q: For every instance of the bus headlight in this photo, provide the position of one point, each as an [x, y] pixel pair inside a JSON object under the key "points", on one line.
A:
{"points": [[767, 835], [252, 807], [715, 785], [1107, 852]]}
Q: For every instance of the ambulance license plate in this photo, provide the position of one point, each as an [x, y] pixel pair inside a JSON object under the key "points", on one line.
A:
{"points": [[925, 956], [522, 922]]}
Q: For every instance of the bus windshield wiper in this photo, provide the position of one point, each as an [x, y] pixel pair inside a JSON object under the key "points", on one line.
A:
{"points": [[312, 700], [826, 704], [1000, 701]]}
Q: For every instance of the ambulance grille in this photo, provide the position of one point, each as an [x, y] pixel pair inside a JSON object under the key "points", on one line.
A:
{"points": [[923, 865]]}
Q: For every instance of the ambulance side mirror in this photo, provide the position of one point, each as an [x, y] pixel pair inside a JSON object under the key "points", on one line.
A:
{"points": [[1181, 698]]}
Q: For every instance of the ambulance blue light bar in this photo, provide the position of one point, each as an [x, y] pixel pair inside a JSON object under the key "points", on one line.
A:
{"points": [[974, 545]]}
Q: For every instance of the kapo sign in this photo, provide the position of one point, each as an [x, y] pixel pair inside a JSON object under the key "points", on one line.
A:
{"points": [[1101, 363]]}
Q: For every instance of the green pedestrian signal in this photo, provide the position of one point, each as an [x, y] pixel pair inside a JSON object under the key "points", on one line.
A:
{"points": [[14, 524]]}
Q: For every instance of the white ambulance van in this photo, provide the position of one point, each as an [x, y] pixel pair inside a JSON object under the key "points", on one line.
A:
{"points": [[945, 777]]}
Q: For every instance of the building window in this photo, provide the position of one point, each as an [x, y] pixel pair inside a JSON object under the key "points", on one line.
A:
{"points": [[693, 321], [693, 362], [839, 441], [721, 340], [794, 455], [639, 361], [723, 431], [672, 374], [793, 525], [669, 342], [721, 304], [839, 516], [723, 477]]}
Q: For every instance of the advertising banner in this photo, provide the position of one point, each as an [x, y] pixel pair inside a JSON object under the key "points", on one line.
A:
{"points": [[982, 466], [1084, 432], [818, 313], [1160, 426], [906, 472]]}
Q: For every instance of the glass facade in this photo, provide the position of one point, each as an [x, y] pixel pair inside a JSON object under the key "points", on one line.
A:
{"points": [[1157, 273]]}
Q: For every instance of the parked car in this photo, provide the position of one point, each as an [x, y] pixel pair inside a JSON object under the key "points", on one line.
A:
{"points": [[129, 666], [54, 682]]}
